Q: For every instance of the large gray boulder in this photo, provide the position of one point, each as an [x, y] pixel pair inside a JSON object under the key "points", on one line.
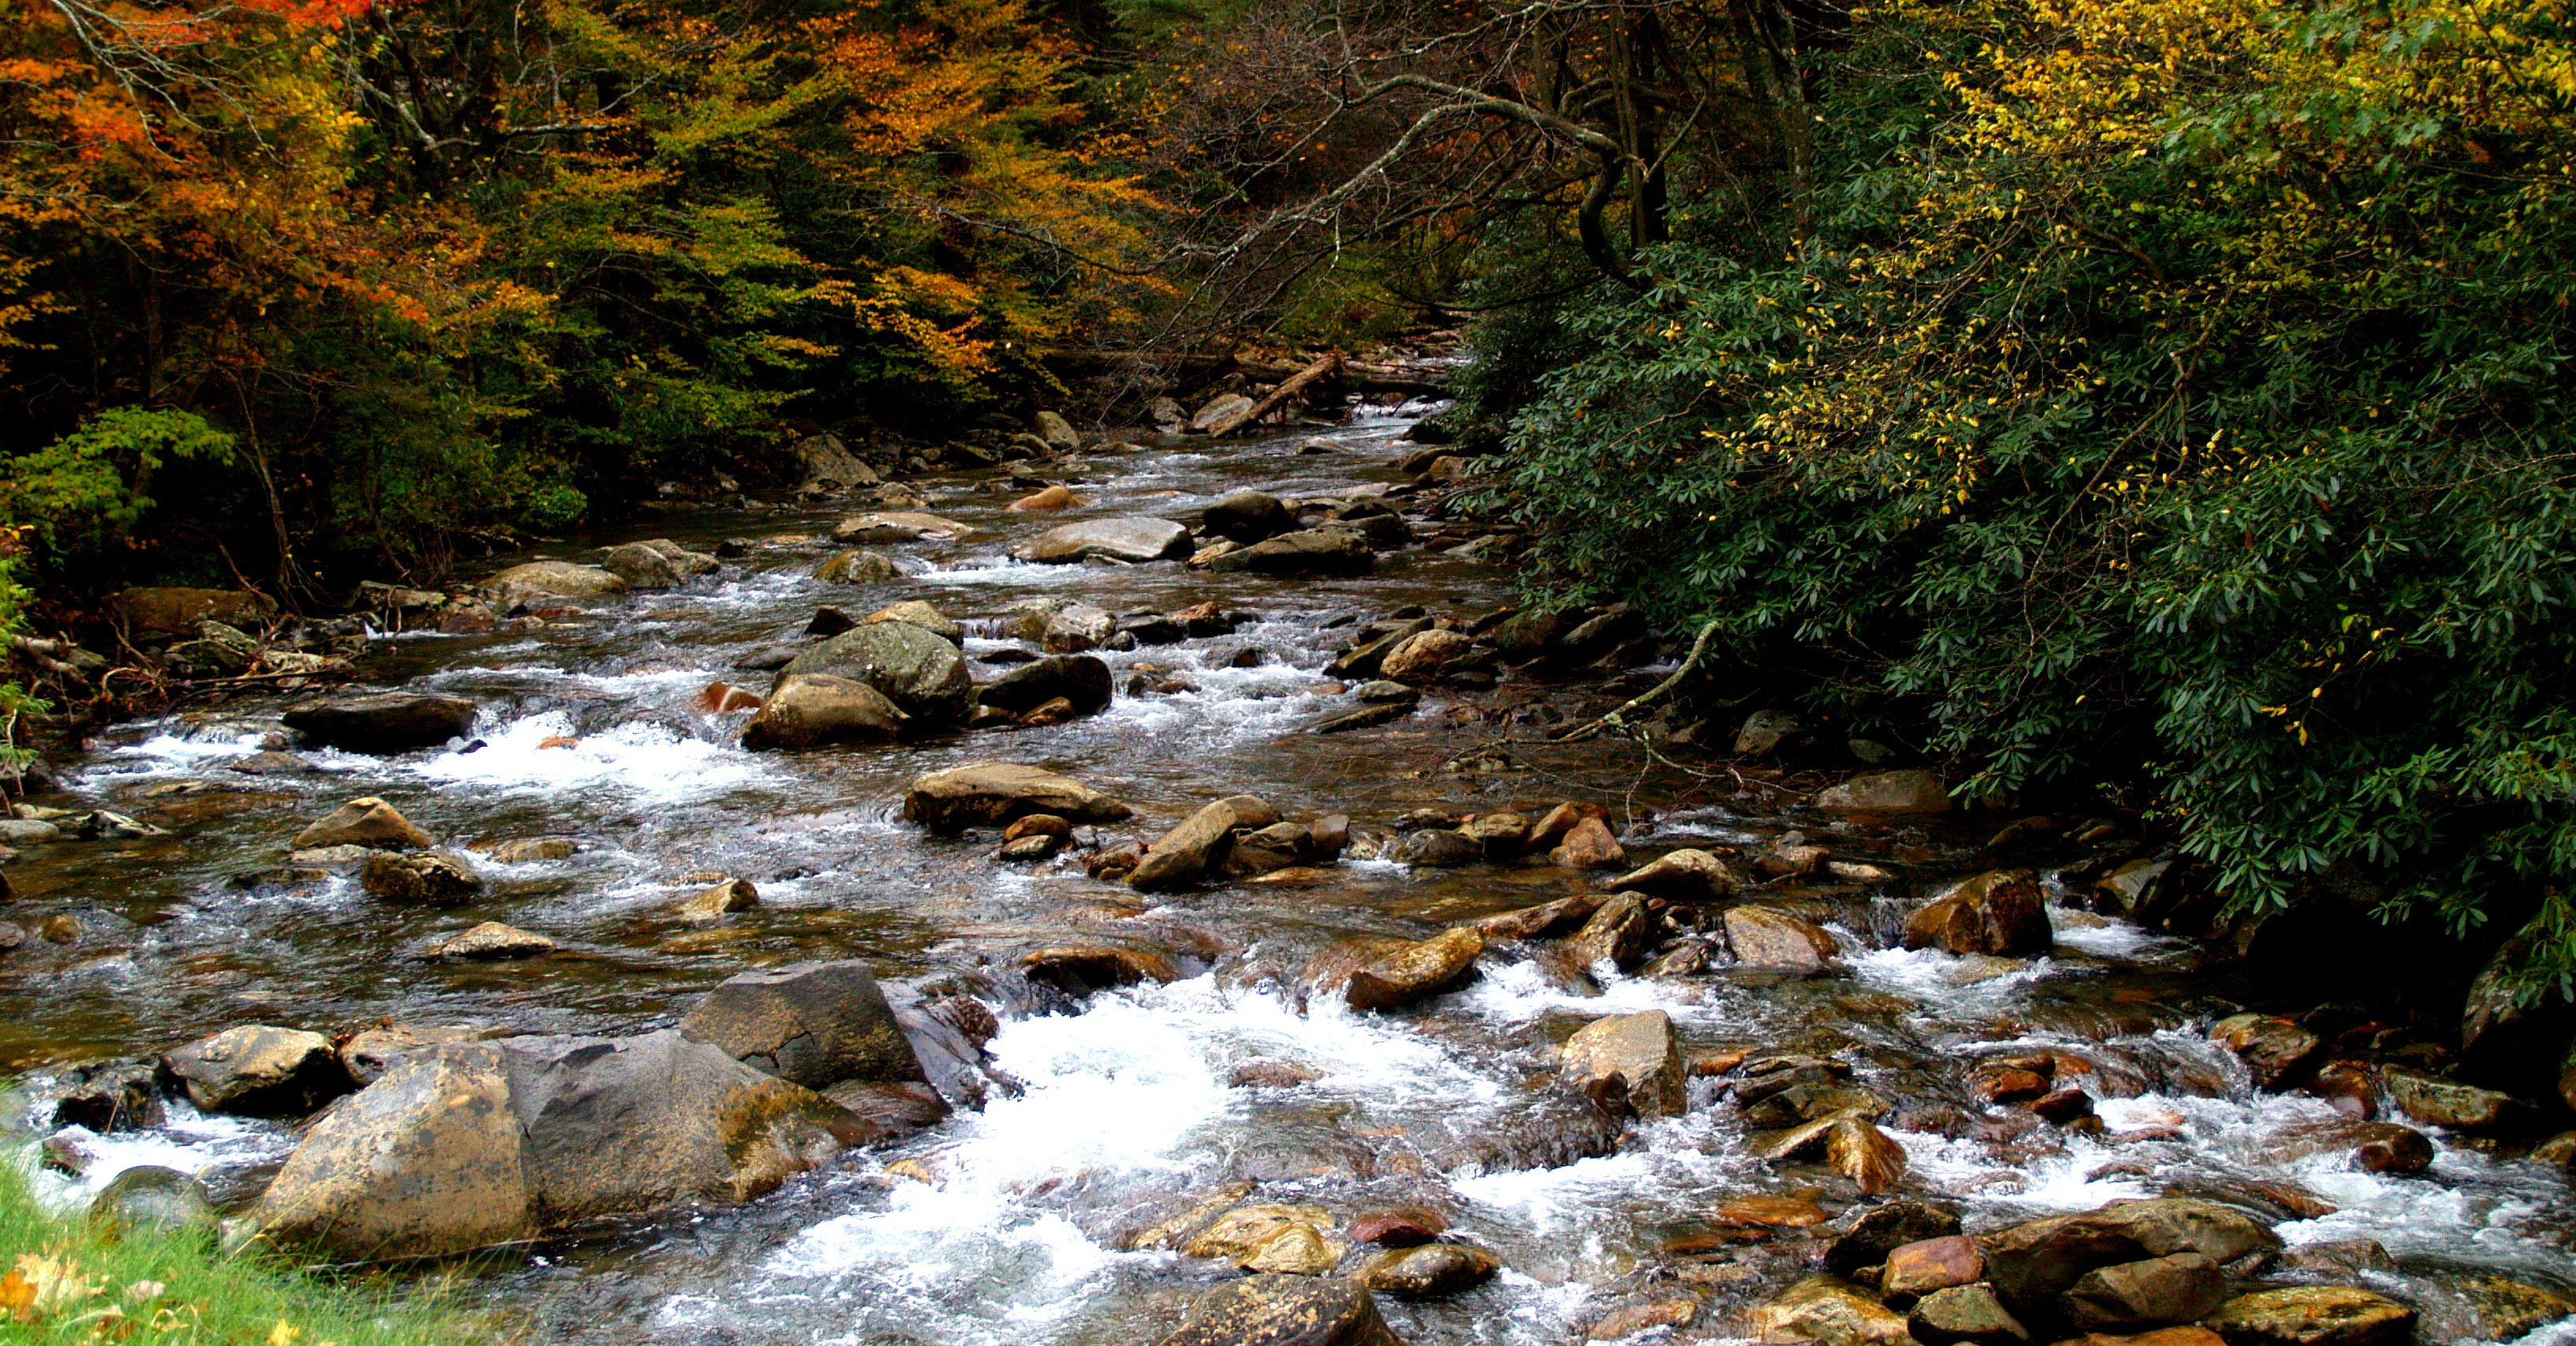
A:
{"points": [[816, 1024], [923, 675], [1129, 538], [989, 794], [463, 1146], [381, 723], [809, 710]]}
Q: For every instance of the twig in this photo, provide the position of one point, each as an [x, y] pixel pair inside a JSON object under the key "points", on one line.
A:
{"points": [[1617, 719]]}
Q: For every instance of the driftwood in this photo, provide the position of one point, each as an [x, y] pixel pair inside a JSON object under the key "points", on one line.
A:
{"points": [[1295, 383]]}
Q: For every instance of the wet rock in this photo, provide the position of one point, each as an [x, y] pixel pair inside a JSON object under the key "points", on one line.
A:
{"points": [[1422, 656], [492, 941], [368, 822], [259, 1071], [1273, 1075], [2063, 1106], [2031, 1264], [1883, 1229], [1133, 538], [1076, 627], [718, 698], [1921, 1267], [1846, 1141], [899, 526], [2277, 1051], [529, 850], [1432, 1271], [811, 710], [2162, 1336], [1268, 850], [152, 612], [1829, 1311], [658, 564], [428, 879], [382, 723], [914, 612], [149, 1197], [2507, 1309], [1219, 410], [1046, 501], [1629, 1062], [1406, 1227], [466, 1146], [1247, 517], [1084, 968], [1764, 1211], [109, 1096], [2440, 1102], [2127, 1296], [1366, 654], [830, 467], [816, 1024], [1386, 693], [924, 676], [1029, 850], [2374, 1147], [1201, 841], [369, 1054], [2000, 913], [1248, 1235], [1366, 717], [1685, 875], [1038, 824], [1081, 680], [28, 832], [1966, 1313], [1764, 731], [1629, 1320], [2313, 1315], [1501, 835], [1372, 973], [1803, 1101], [1436, 848], [1893, 792], [1330, 550], [1767, 937], [2009, 1085], [219, 651], [552, 579], [1273, 1310], [1058, 432], [858, 566], [1620, 932], [1588, 845], [1548, 918], [718, 901]]}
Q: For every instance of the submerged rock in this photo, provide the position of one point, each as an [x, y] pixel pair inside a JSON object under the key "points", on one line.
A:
{"points": [[988, 794]]}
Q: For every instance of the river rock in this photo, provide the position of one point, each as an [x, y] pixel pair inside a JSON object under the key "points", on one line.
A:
{"points": [[914, 612], [2000, 913], [830, 467], [658, 564], [2313, 1315], [1621, 932], [1880, 1231], [816, 1024], [1967, 1313], [381, 723], [1076, 627], [857, 566], [529, 850], [1887, 792], [1629, 1059], [1081, 969], [1267, 850], [1199, 843], [465, 1146], [988, 794], [714, 903], [2440, 1102], [2129, 1296], [1132, 538], [1081, 680], [1421, 657], [429, 879], [369, 822], [1588, 845], [1767, 937], [924, 676], [2276, 1051], [1430, 1271], [150, 1197], [1247, 517], [371, 1052], [492, 941], [1829, 1311], [1687, 875], [155, 612], [1436, 848], [1045, 501], [1501, 835], [1373, 973], [1058, 432], [899, 526], [1548, 918], [2507, 1309], [809, 710], [1926, 1265], [1313, 551], [219, 651], [259, 1071], [552, 579], [28, 832], [109, 1096], [2031, 1264], [1275, 1310]]}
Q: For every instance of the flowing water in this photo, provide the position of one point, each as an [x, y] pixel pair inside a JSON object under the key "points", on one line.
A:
{"points": [[1127, 1108]]}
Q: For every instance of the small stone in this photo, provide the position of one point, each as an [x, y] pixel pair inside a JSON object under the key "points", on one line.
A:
{"points": [[529, 850], [719, 901], [369, 822], [429, 879], [1967, 1313], [1431, 1271], [492, 940], [1588, 845]]}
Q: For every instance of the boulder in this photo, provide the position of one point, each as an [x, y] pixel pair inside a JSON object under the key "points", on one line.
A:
{"points": [[1429, 1271], [1058, 432], [658, 564], [1312, 551], [858, 566], [809, 710], [988, 794], [1967, 1313], [157, 612], [1999, 913], [2439, 1102], [259, 1071], [1880, 1231], [1132, 538], [371, 1052], [491, 941], [1420, 657], [219, 651], [1219, 410], [110, 1096], [714, 903], [1080, 679], [1926, 1265], [382, 723], [2276, 1051], [552, 579], [914, 612], [2031, 1264], [924, 676], [1247, 517], [2313, 1315], [1436, 848], [899, 526], [1373, 973], [1620, 932], [1045, 501], [463, 1146], [816, 1024], [2158, 1291], [150, 1197], [429, 879], [1764, 731], [1630, 1061], [1076, 627], [1080, 969], [1278, 1310], [1829, 1311], [1588, 845], [1887, 792], [1685, 875], [830, 467], [369, 822], [1199, 843], [529, 850], [1767, 937]]}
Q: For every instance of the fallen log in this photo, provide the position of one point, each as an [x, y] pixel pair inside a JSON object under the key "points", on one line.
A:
{"points": [[1296, 383], [1193, 368]]}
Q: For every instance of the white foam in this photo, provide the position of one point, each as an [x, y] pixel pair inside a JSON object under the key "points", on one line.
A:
{"points": [[645, 761], [190, 1141]]}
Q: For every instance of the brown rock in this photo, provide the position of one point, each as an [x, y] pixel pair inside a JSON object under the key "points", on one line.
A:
{"points": [[2313, 1315], [1284, 1311], [1629, 1060], [1921, 1267], [722, 900], [1635, 1318], [1404, 1227], [987, 794], [2277, 1051], [1084, 968], [1887, 792], [1048, 501], [367, 822], [1829, 1311], [1199, 843], [1556, 822], [1374, 974], [1588, 845], [1431, 1271], [2000, 912], [1688, 874], [429, 879], [1767, 937]]}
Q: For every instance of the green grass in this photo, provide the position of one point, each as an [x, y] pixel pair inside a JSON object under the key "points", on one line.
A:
{"points": [[149, 1288]]}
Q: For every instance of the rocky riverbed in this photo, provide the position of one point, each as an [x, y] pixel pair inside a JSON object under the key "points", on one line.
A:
{"points": [[1137, 895]]}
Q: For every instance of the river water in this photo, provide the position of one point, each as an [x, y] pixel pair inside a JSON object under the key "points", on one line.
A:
{"points": [[1127, 1109]]}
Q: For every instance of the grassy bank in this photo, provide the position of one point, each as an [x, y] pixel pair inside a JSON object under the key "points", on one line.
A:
{"points": [[65, 1280]]}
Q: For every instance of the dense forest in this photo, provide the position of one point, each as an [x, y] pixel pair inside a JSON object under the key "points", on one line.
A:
{"points": [[2159, 399]]}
